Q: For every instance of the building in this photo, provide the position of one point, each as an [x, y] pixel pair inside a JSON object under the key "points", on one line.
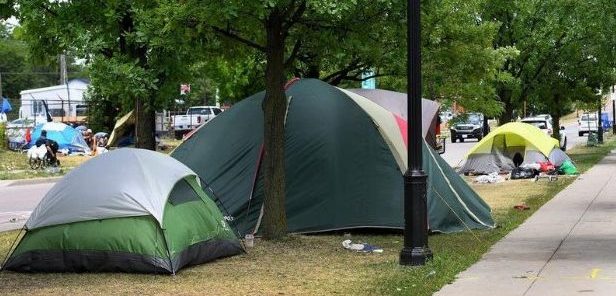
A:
{"points": [[65, 102]]}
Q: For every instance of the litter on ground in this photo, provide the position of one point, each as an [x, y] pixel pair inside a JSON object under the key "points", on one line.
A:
{"points": [[491, 178], [361, 247]]}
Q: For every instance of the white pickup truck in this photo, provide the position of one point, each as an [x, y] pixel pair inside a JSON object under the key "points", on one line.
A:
{"points": [[587, 123], [195, 116]]}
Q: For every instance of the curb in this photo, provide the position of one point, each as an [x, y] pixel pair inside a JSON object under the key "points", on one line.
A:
{"points": [[33, 181]]}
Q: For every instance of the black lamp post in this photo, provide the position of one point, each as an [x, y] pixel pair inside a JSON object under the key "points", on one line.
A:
{"points": [[600, 124], [614, 115], [415, 251]]}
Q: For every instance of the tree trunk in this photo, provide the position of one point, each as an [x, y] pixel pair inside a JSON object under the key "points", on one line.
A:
{"points": [[274, 110], [145, 122], [145, 115], [556, 126], [507, 115], [556, 114]]}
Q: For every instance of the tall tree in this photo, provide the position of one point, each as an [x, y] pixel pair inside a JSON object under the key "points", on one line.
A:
{"points": [[458, 61], [137, 55], [566, 52], [19, 70], [282, 31]]}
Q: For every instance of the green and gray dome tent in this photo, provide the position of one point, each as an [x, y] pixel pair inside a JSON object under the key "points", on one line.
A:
{"points": [[129, 210], [345, 157]]}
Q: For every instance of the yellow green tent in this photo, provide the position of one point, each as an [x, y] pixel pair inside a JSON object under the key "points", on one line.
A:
{"points": [[121, 128], [496, 151]]}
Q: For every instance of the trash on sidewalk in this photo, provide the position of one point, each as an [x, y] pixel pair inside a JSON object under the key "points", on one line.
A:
{"points": [[521, 207], [491, 178], [361, 247]]}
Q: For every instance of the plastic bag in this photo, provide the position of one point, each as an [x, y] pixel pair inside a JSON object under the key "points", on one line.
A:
{"points": [[568, 168]]}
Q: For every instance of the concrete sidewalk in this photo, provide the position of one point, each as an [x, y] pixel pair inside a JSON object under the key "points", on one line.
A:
{"points": [[568, 247]]}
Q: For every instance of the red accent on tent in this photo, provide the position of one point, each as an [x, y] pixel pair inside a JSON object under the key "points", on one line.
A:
{"points": [[402, 126], [192, 132], [290, 82]]}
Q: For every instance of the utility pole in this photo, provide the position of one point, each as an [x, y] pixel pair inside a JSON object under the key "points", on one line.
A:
{"points": [[415, 251], [64, 80]]}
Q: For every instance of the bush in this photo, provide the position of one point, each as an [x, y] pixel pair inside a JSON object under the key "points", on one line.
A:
{"points": [[3, 137]]}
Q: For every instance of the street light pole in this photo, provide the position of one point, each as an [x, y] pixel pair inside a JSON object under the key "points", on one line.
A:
{"points": [[415, 251], [600, 123], [614, 116]]}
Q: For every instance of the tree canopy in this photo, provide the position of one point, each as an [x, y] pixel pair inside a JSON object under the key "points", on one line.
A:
{"points": [[566, 53]]}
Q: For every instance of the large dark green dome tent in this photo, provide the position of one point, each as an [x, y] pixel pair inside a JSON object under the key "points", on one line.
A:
{"points": [[345, 157], [129, 210]]}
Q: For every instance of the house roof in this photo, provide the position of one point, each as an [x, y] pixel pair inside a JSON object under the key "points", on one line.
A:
{"points": [[76, 84]]}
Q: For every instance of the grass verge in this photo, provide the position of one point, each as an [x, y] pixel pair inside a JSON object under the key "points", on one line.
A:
{"points": [[317, 265], [14, 165]]}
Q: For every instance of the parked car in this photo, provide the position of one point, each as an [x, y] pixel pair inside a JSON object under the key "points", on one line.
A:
{"points": [[587, 123], [468, 126], [20, 123], [548, 117], [195, 116], [545, 125]]}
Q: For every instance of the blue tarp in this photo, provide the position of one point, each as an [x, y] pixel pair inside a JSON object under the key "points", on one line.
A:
{"points": [[605, 121], [6, 106], [66, 136]]}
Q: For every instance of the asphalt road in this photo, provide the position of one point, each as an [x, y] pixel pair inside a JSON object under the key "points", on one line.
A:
{"points": [[18, 201]]}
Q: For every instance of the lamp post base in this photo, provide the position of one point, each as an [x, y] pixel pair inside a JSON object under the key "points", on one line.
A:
{"points": [[416, 256]]}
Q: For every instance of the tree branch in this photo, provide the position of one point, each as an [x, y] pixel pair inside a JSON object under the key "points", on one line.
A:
{"points": [[355, 64], [227, 33], [357, 78], [297, 14], [294, 52]]}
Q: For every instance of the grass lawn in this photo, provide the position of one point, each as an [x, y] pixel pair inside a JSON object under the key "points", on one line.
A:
{"points": [[317, 265], [14, 165]]}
